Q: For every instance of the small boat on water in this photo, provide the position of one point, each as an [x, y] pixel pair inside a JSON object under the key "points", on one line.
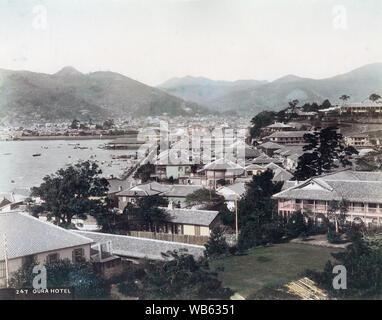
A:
{"points": [[36, 154]]}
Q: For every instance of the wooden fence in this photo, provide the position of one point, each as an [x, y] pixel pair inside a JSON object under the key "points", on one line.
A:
{"points": [[200, 240]]}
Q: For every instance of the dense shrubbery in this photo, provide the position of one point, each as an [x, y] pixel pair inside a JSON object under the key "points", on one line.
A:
{"points": [[179, 276], [217, 245], [86, 282], [333, 237], [363, 263]]}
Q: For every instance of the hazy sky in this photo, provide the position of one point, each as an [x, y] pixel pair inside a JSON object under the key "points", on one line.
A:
{"points": [[154, 40]]}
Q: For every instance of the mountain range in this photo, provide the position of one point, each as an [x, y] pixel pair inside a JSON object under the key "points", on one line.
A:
{"points": [[249, 97], [70, 94]]}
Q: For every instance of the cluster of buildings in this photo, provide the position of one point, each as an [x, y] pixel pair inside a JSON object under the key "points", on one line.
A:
{"points": [[221, 158]]}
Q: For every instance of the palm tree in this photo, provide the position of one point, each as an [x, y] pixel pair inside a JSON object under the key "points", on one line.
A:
{"points": [[344, 98], [374, 97]]}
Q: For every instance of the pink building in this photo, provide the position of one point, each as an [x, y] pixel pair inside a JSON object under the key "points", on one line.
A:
{"points": [[362, 191]]}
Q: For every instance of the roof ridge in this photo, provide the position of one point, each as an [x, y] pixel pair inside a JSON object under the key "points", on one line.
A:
{"points": [[140, 238], [25, 214]]}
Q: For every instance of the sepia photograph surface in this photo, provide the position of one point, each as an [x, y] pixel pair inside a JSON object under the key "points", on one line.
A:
{"points": [[194, 151]]}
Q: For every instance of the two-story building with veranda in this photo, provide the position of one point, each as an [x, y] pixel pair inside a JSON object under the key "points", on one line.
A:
{"points": [[362, 191], [363, 108], [25, 239], [288, 137]]}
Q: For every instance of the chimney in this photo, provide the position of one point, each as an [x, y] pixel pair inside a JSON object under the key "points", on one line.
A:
{"points": [[120, 188]]}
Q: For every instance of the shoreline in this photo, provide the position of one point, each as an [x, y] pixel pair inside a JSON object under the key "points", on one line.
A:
{"points": [[97, 137]]}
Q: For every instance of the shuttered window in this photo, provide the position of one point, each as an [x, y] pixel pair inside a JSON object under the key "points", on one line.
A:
{"points": [[52, 258], [78, 255]]}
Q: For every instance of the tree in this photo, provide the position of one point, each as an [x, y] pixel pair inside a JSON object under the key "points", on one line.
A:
{"points": [[363, 263], [144, 172], [108, 124], [86, 282], [208, 199], [293, 104], [261, 120], [216, 244], [337, 212], [73, 191], [374, 97], [326, 150], [259, 222], [75, 124], [179, 277], [344, 97], [296, 225], [146, 214], [205, 198]]}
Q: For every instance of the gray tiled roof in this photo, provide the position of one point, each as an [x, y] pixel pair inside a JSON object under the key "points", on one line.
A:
{"points": [[289, 134], [164, 190], [289, 150], [139, 248], [181, 190], [348, 185], [251, 152], [192, 217], [117, 184], [270, 145], [363, 104], [263, 160], [148, 189], [238, 189], [254, 167], [222, 164], [281, 174], [27, 235]]}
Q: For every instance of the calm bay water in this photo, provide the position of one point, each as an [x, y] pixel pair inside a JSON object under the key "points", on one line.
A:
{"points": [[19, 169]]}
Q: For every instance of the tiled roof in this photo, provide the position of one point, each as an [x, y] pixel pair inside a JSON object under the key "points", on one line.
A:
{"points": [[281, 174], [348, 185], [289, 150], [363, 104], [27, 235], [223, 164], [164, 190], [289, 134], [263, 160], [181, 190], [254, 167], [230, 192], [148, 189], [193, 217], [140, 248], [270, 145], [117, 185]]}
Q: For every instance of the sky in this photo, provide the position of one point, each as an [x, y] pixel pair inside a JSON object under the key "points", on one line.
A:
{"points": [[154, 40]]}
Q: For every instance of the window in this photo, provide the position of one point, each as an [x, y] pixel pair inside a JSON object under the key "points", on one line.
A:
{"points": [[78, 255], [52, 258], [2, 270], [28, 260], [197, 230]]}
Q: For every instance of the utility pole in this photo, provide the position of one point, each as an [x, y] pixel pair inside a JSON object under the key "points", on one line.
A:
{"points": [[6, 259], [236, 221]]}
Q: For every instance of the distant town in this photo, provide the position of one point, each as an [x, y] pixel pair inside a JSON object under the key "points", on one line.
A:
{"points": [[196, 185], [208, 153]]}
